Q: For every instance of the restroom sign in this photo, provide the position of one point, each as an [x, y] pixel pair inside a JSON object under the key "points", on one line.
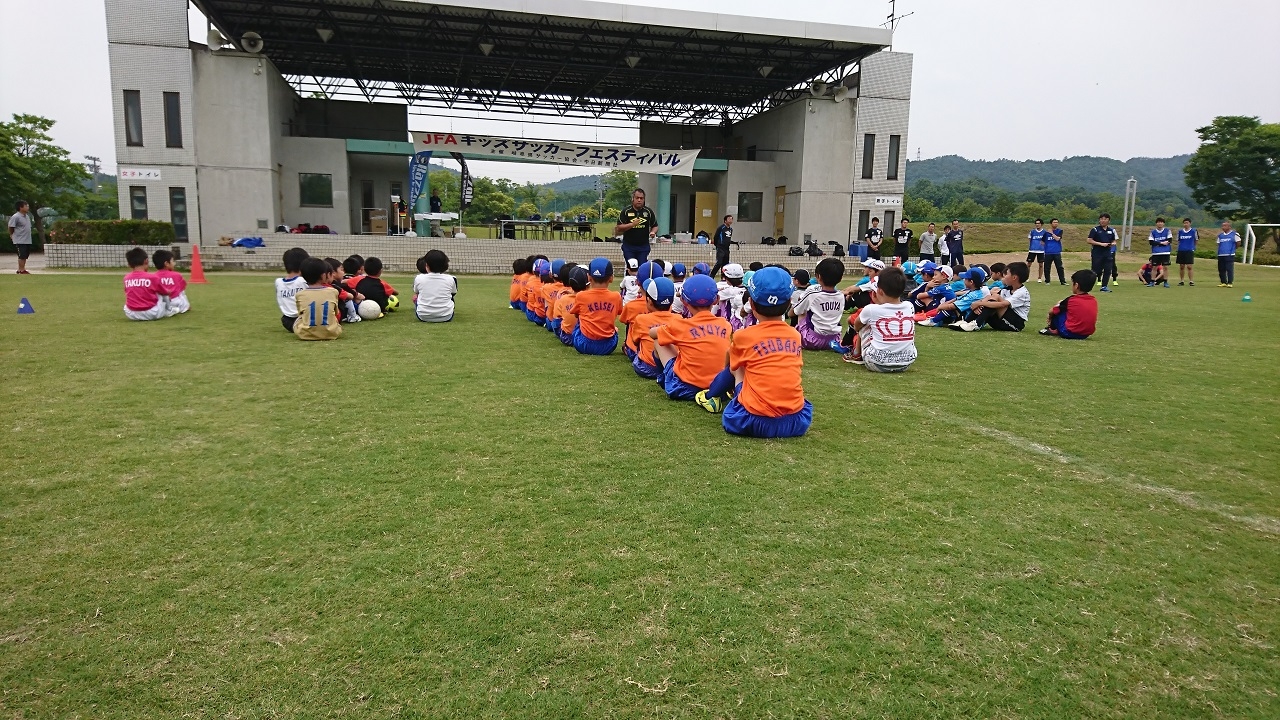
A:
{"points": [[139, 173], [889, 201]]}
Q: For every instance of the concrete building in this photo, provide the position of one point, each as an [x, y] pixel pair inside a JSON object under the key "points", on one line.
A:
{"points": [[801, 126]]}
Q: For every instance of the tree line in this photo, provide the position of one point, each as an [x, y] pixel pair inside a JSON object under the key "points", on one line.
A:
{"points": [[492, 198]]}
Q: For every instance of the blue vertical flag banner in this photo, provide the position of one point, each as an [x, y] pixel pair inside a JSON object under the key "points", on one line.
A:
{"points": [[468, 187], [418, 168]]}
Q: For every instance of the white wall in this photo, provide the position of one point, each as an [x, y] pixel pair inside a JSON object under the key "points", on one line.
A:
{"points": [[315, 155]]}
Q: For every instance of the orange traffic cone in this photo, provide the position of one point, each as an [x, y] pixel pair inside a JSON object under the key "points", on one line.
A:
{"points": [[197, 269]]}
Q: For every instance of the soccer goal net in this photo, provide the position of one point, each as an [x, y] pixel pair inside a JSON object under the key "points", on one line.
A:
{"points": [[1251, 239]]}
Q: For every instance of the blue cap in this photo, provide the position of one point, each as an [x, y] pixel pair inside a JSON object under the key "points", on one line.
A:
{"points": [[600, 268], [661, 291], [541, 267], [746, 276], [556, 265], [909, 267], [678, 270], [700, 291], [928, 266], [770, 287], [702, 269], [975, 274], [648, 271]]}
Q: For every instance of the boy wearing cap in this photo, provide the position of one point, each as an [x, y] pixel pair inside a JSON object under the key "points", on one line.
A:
{"points": [[730, 295], [551, 292], [1006, 310], [637, 307], [678, 274], [818, 310], [577, 281], [691, 350], [765, 365], [596, 309], [628, 286], [859, 295], [953, 310], [533, 293], [659, 293], [885, 331]]}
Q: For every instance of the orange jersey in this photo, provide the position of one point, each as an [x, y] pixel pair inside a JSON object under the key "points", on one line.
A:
{"points": [[639, 331], [703, 342], [769, 354], [551, 293], [533, 296], [631, 310], [597, 309], [564, 311], [517, 286]]}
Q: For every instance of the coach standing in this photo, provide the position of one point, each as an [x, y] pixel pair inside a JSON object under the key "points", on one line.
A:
{"points": [[723, 239], [637, 225], [20, 235], [1102, 240]]}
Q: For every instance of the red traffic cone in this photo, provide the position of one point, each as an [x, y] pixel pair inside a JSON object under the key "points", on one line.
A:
{"points": [[197, 269]]}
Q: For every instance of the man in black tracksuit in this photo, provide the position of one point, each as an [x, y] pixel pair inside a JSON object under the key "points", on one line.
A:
{"points": [[722, 241]]}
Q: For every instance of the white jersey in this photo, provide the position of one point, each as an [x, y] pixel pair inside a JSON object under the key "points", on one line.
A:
{"points": [[734, 295], [435, 293], [630, 288], [889, 337], [286, 288], [677, 306], [1019, 301], [825, 309]]}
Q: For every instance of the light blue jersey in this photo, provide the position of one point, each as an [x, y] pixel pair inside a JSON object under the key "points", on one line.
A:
{"points": [[1187, 240]]}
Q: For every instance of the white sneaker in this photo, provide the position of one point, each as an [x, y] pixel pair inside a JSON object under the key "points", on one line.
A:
{"points": [[968, 326], [354, 318]]}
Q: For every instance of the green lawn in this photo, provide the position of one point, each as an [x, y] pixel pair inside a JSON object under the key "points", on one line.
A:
{"points": [[202, 517]]}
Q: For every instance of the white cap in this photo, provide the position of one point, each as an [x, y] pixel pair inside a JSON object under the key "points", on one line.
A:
{"points": [[873, 264], [946, 270], [633, 264], [732, 270]]}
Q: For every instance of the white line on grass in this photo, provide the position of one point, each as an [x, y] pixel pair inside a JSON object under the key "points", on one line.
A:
{"points": [[1260, 523]]}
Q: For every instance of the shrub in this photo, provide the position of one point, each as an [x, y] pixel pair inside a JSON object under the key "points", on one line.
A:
{"points": [[112, 232]]}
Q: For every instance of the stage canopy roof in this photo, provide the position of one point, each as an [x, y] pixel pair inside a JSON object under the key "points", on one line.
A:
{"points": [[548, 57]]}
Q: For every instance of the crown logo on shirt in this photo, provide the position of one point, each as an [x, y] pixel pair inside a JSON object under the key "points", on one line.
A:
{"points": [[899, 328]]}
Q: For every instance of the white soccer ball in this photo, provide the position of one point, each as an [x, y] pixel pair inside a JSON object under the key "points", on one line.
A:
{"points": [[369, 310], [460, 235]]}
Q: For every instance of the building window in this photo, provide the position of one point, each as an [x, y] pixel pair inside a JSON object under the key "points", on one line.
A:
{"points": [[889, 217], [138, 202], [133, 118], [895, 149], [868, 155], [178, 212], [315, 190], [864, 222], [751, 152], [172, 120], [750, 206]]}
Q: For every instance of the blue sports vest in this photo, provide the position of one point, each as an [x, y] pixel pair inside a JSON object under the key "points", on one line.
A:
{"points": [[1157, 236], [1187, 240]]}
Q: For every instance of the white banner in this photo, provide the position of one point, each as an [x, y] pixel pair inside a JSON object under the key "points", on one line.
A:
{"points": [[623, 157], [138, 174]]}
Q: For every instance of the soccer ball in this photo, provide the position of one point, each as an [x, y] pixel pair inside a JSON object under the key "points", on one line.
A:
{"points": [[369, 310], [393, 302]]}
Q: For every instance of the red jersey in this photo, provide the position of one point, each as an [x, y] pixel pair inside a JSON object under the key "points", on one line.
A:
{"points": [[1082, 314]]}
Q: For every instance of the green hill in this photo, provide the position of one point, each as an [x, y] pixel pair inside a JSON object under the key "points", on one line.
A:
{"points": [[1093, 174]]}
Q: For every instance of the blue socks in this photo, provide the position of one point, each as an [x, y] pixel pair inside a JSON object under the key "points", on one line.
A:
{"points": [[722, 385]]}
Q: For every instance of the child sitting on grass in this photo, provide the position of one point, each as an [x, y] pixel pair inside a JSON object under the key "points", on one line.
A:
{"points": [[551, 289], [519, 274], [371, 285], [659, 294], [629, 286], [819, 308], [533, 292], [576, 280], [1006, 310], [434, 289], [953, 311], [639, 306], [597, 309], [317, 303], [171, 282], [884, 339], [1076, 317], [764, 369], [346, 299], [730, 303], [143, 295], [691, 351], [555, 316], [860, 293], [290, 285]]}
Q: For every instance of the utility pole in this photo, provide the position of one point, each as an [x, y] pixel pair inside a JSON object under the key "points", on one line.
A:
{"points": [[95, 164]]}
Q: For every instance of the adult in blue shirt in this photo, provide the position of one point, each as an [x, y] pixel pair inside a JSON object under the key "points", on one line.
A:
{"points": [[1102, 241], [1228, 241], [955, 243], [637, 225], [722, 241], [1035, 247], [1053, 252], [1161, 240], [1187, 238]]}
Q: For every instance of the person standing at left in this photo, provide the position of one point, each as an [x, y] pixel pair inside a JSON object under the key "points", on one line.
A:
{"points": [[1228, 241], [1102, 238], [637, 225], [20, 234]]}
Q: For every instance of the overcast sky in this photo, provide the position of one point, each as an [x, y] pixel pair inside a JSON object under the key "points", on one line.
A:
{"points": [[998, 79]]}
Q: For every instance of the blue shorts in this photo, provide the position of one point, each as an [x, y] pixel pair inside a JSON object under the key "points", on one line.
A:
{"points": [[737, 421], [532, 316], [676, 388], [1060, 324], [644, 369], [554, 326], [631, 354], [566, 338], [517, 305], [587, 346]]}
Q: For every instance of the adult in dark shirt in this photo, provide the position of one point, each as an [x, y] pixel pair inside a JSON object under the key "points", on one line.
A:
{"points": [[722, 241], [436, 204], [1102, 239], [955, 243], [873, 237], [902, 241], [637, 225]]}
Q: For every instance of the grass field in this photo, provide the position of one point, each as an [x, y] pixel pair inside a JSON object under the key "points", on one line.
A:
{"points": [[203, 517]]}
